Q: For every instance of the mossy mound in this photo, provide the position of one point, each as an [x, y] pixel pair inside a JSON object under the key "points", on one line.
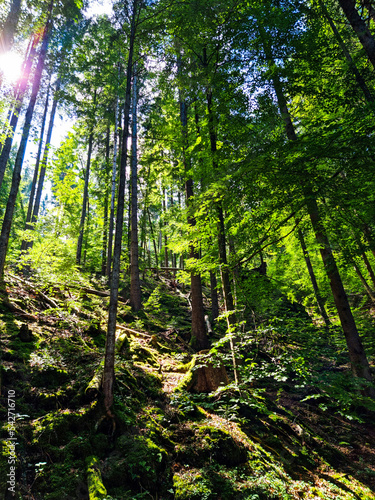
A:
{"points": [[205, 443]]}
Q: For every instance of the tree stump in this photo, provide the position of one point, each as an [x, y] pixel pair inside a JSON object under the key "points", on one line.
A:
{"points": [[205, 378]]}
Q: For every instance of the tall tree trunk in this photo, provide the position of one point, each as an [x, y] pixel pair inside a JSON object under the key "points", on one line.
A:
{"points": [[10, 26], [360, 80], [214, 296], [359, 362], [359, 26], [19, 95], [165, 236], [199, 338], [135, 286], [109, 361], [362, 279], [318, 296], [153, 238], [113, 188], [224, 271], [42, 174], [106, 199], [36, 172], [84, 202], [16, 179], [368, 267], [86, 234]]}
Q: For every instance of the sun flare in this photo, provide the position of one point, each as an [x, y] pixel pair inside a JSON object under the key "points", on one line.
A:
{"points": [[10, 66]]}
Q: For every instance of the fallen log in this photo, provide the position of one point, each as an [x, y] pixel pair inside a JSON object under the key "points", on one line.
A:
{"points": [[45, 297]]}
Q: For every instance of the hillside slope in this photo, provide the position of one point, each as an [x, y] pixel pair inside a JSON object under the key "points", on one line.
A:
{"points": [[274, 439]]}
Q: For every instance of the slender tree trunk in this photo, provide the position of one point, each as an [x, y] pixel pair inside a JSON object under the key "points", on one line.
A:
{"points": [[368, 267], [10, 26], [135, 286], [165, 236], [224, 271], [360, 80], [109, 361], [106, 199], [318, 296], [369, 237], [199, 338], [359, 362], [225, 279], [42, 174], [85, 198], [362, 279], [153, 238], [359, 26], [36, 172], [87, 232], [214, 296], [113, 189], [16, 179], [17, 108]]}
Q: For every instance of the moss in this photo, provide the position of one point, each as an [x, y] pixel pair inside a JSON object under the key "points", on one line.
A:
{"points": [[136, 461], [150, 382], [63, 481], [191, 485], [187, 381], [143, 354], [56, 427], [97, 490], [209, 443]]}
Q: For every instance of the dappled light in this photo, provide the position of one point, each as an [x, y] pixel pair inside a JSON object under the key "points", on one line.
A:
{"points": [[187, 250]]}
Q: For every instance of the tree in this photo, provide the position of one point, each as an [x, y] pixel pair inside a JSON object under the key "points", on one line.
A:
{"points": [[359, 362], [109, 371], [10, 26], [135, 287], [7, 222]]}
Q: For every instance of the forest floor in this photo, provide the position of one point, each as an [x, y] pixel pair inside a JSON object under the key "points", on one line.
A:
{"points": [[275, 438]]}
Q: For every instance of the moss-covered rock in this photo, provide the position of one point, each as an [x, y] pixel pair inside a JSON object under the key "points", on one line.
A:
{"points": [[206, 443]]}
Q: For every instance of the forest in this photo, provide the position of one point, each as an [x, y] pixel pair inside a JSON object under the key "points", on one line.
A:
{"points": [[187, 249]]}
